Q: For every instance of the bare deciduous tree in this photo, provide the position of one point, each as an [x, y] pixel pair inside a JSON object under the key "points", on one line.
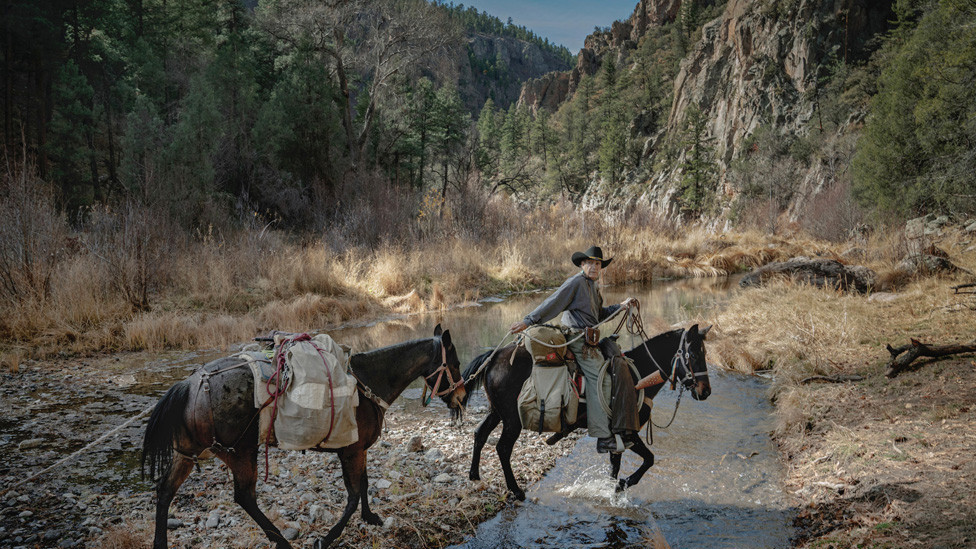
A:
{"points": [[367, 43]]}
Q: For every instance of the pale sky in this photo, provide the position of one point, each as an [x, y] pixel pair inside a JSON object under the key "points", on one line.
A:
{"points": [[565, 22]]}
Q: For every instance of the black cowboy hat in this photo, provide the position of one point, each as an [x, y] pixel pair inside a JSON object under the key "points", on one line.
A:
{"points": [[593, 253]]}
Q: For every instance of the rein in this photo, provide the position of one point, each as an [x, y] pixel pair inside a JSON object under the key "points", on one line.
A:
{"points": [[635, 326]]}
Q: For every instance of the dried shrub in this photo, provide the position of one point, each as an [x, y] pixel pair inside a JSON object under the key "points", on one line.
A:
{"points": [[134, 242], [833, 214], [33, 234]]}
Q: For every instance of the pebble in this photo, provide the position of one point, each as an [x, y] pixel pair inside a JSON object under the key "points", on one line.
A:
{"points": [[213, 520], [434, 454], [25, 514], [290, 533], [442, 478], [30, 443], [318, 513], [174, 523]]}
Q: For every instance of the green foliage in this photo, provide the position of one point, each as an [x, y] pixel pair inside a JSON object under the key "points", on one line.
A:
{"points": [[70, 135], [698, 170], [917, 151]]}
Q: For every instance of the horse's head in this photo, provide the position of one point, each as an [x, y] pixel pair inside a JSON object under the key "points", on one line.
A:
{"points": [[689, 363], [443, 375]]}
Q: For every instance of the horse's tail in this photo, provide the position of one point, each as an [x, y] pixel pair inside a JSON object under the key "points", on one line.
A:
{"points": [[472, 381], [166, 418]]}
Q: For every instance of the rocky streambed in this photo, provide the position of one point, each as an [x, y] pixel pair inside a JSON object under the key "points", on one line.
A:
{"points": [[418, 470]]}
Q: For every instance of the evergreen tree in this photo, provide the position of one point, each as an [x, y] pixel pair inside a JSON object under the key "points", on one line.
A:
{"points": [[698, 170], [68, 146], [489, 139], [613, 144], [916, 154]]}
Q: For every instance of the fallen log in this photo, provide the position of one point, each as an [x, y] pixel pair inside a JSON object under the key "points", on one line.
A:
{"points": [[903, 356], [833, 379]]}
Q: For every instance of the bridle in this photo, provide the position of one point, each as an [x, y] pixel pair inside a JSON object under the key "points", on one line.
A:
{"points": [[682, 356], [442, 372]]}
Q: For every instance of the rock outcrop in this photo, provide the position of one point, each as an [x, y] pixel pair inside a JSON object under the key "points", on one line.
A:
{"points": [[824, 273], [496, 67], [755, 65]]}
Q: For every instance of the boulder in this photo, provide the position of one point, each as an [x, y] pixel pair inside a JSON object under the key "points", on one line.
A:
{"points": [[825, 273], [924, 264]]}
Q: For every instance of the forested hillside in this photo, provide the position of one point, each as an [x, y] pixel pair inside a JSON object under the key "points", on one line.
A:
{"points": [[754, 113]]}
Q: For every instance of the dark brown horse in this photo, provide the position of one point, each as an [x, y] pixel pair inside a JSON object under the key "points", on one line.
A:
{"points": [[678, 354], [212, 413]]}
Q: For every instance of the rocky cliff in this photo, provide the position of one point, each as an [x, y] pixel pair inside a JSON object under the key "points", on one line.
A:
{"points": [[755, 65], [497, 66]]}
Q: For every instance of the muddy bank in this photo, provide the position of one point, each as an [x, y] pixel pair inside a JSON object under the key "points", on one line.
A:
{"points": [[99, 500]]}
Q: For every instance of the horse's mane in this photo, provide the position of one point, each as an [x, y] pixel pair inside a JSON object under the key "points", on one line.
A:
{"points": [[385, 352]]}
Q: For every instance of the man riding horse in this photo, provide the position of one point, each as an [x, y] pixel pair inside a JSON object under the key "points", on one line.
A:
{"points": [[581, 303]]}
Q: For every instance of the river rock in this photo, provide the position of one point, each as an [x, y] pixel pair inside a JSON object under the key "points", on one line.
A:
{"points": [[174, 523], [319, 513], [821, 272], [25, 514], [922, 264], [442, 478], [382, 484], [434, 454], [290, 534], [213, 519], [30, 443], [415, 444]]}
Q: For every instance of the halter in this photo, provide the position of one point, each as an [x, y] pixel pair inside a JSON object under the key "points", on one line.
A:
{"points": [[439, 372]]}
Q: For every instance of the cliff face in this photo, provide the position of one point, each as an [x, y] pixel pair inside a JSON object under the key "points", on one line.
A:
{"points": [[497, 66], [755, 65]]}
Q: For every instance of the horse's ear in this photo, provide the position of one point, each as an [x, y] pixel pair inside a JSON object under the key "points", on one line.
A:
{"points": [[705, 331], [693, 329], [437, 330], [446, 339]]}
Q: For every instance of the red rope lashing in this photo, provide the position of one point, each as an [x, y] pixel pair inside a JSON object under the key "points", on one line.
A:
{"points": [[279, 389]]}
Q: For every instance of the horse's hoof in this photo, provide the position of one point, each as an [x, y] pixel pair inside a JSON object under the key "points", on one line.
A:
{"points": [[372, 518], [474, 476], [518, 494], [622, 484]]}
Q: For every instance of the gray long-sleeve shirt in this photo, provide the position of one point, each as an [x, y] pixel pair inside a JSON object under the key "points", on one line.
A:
{"points": [[578, 299]]}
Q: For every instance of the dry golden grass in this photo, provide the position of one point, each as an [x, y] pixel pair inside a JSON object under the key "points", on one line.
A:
{"points": [[216, 290], [799, 331]]}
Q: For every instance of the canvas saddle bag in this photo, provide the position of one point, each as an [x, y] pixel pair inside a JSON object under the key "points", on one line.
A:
{"points": [[548, 401], [318, 407]]}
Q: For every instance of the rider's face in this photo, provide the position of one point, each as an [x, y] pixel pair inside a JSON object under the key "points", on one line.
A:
{"points": [[591, 268]]}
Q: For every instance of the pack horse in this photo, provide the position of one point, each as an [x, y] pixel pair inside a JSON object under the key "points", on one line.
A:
{"points": [[212, 413]]}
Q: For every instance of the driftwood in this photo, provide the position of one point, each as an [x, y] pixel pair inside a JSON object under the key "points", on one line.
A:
{"points": [[916, 348], [833, 379], [961, 286]]}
